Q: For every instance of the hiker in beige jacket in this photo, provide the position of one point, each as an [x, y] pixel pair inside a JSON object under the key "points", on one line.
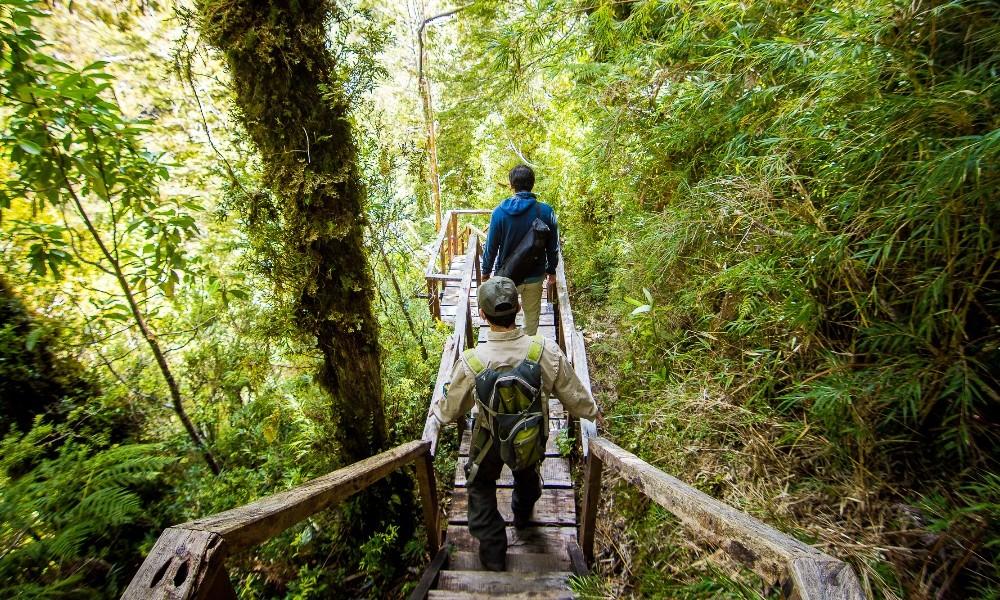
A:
{"points": [[506, 348]]}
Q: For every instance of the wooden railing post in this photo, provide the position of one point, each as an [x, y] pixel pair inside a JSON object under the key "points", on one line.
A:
{"points": [[470, 336], [428, 496], [184, 563], [433, 301], [453, 235], [591, 500], [478, 262]]}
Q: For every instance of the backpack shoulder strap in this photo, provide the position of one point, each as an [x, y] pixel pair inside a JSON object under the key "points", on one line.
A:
{"points": [[472, 359], [535, 349]]}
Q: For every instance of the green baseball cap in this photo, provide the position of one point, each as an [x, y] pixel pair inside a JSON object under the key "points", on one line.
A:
{"points": [[498, 297]]}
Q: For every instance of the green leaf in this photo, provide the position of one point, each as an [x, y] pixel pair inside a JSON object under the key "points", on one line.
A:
{"points": [[32, 339], [30, 147]]}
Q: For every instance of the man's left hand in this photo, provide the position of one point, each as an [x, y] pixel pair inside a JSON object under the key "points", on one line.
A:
{"points": [[432, 429], [551, 279]]}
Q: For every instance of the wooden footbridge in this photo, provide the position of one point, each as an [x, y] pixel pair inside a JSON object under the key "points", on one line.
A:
{"points": [[189, 559]]}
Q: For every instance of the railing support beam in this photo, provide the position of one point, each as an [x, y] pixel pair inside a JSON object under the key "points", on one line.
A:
{"points": [[424, 467], [591, 500]]}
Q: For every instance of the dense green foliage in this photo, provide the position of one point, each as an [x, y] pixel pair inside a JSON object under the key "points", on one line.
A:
{"points": [[99, 467], [791, 211], [780, 220]]}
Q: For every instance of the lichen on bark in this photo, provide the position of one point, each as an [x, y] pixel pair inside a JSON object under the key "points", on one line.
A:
{"points": [[292, 104]]}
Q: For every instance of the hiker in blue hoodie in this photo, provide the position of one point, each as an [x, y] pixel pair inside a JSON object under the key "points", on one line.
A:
{"points": [[508, 224]]}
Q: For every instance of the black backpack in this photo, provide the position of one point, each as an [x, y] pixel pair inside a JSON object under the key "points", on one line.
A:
{"points": [[510, 412], [529, 254]]}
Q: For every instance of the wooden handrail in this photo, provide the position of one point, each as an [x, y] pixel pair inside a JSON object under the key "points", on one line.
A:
{"points": [[804, 572], [188, 560], [451, 241], [462, 336], [573, 345]]}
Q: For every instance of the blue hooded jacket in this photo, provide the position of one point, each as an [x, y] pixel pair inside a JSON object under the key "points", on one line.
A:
{"points": [[509, 223]]}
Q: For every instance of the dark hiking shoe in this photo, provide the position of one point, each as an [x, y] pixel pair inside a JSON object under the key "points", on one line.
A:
{"points": [[522, 520], [492, 560]]}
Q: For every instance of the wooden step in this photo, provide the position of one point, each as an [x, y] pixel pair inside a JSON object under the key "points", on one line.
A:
{"points": [[532, 540], [545, 318], [555, 473], [548, 331], [451, 299], [544, 595], [516, 563], [555, 507], [491, 582]]}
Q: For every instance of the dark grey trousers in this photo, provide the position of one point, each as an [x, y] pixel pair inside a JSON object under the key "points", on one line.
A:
{"points": [[485, 522]]}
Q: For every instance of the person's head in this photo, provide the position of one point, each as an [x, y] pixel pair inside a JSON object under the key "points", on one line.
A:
{"points": [[498, 302], [522, 178]]}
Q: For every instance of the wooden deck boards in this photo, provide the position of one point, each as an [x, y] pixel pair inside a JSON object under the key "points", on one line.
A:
{"points": [[555, 507]]}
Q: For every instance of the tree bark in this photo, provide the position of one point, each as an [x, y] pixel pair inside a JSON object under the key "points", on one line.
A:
{"points": [[294, 108]]}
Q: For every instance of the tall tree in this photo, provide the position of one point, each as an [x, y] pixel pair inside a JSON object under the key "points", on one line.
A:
{"points": [[292, 102]]}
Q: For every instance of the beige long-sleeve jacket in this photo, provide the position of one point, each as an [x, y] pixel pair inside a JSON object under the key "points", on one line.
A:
{"points": [[504, 350]]}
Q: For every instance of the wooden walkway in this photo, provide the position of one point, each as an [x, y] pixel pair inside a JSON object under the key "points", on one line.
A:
{"points": [[539, 562]]}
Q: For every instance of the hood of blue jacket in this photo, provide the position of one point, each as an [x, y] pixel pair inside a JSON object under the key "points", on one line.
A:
{"points": [[518, 203]]}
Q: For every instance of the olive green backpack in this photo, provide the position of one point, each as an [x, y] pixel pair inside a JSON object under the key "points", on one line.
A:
{"points": [[510, 411]]}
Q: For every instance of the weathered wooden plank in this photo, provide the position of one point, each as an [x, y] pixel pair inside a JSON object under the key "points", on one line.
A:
{"points": [[588, 429], [556, 411], [761, 548], [566, 324], [555, 473], [577, 559], [555, 507], [463, 323], [449, 309], [436, 246], [502, 583], [544, 595], [259, 521], [540, 540], [545, 319], [822, 580], [516, 563], [550, 446], [430, 576], [448, 357], [591, 498], [424, 467], [184, 563], [546, 331]]}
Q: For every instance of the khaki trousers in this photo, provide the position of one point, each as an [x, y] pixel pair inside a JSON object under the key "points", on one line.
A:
{"points": [[531, 304]]}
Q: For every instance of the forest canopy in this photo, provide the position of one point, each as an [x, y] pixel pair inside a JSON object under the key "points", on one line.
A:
{"points": [[781, 226]]}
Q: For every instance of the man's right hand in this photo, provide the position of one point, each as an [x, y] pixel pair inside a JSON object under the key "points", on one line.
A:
{"points": [[485, 277]]}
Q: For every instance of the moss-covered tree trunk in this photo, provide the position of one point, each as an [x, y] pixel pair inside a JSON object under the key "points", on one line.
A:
{"points": [[285, 80]]}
